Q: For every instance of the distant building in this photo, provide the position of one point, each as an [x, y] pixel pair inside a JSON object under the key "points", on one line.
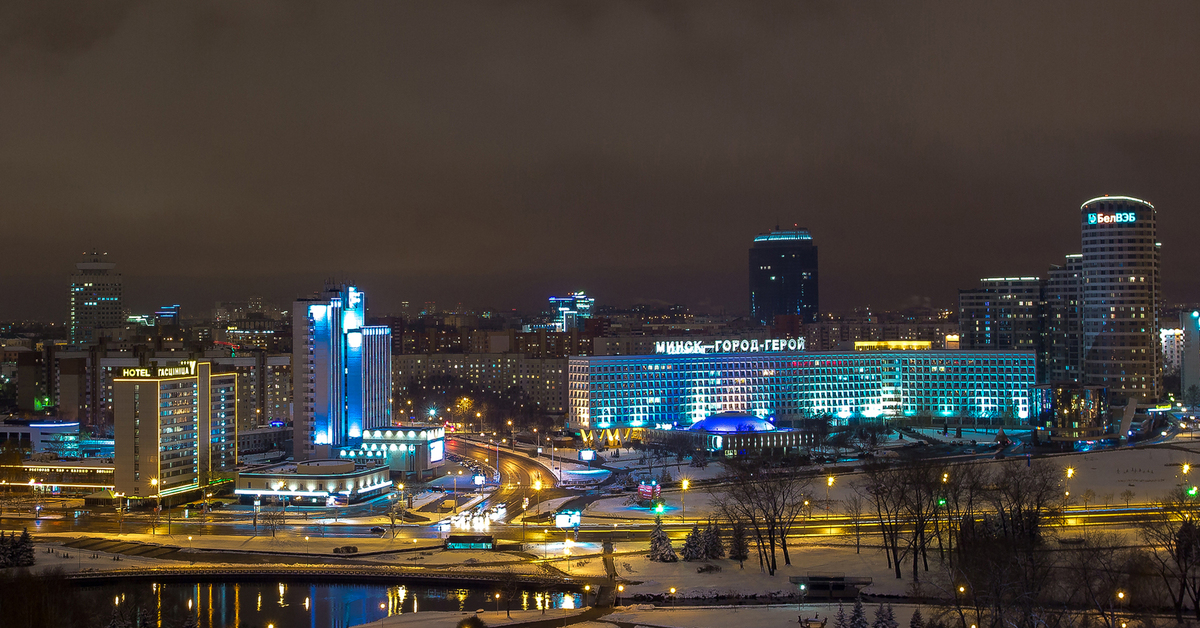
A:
{"points": [[167, 316], [264, 388], [783, 276], [1171, 340], [570, 311], [176, 427], [1120, 297], [1064, 321], [1004, 313], [1189, 359], [95, 298], [543, 380], [342, 379]]}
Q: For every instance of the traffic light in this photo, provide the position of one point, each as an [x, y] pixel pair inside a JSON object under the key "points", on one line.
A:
{"points": [[1192, 491]]}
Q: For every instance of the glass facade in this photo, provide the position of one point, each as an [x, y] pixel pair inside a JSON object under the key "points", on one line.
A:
{"points": [[662, 390]]}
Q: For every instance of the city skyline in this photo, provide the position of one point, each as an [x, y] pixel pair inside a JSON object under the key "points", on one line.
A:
{"points": [[634, 164]]}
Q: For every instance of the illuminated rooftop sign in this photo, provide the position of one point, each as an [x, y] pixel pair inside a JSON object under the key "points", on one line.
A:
{"points": [[186, 368], [679, 347], [895, 345], [1101, 218]]}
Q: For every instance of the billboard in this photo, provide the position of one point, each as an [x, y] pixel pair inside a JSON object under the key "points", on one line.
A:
{"points": [[437, 450]]}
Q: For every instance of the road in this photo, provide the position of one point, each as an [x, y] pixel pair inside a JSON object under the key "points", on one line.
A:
{"points": [[517, 476]]}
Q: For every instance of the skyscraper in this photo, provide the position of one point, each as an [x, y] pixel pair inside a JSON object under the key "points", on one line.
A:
{"points": [[783, 276], [95, 298], [1120, 297], [342, 372]]}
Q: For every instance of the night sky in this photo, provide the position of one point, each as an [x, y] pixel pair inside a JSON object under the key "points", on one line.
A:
{"points": [[495, 153]]}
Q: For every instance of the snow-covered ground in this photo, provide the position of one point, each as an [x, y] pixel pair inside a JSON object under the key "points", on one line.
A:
{"points": [[980, 436], [73, 560], [449, 619], [633, 565], [698, 504], [758, 616]]}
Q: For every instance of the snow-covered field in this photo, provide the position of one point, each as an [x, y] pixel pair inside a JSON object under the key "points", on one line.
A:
{"points": [[732, 581], [758, 616], [449, 619]]}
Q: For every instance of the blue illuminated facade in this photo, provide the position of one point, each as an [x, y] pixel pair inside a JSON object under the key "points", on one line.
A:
{"points": [[341, 373], [679, 390]]}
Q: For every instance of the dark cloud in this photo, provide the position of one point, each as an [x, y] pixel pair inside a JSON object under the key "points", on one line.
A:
{"points": [[493, 153]]}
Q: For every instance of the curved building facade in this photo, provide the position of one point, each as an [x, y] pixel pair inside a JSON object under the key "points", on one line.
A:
{"points": [[1120, 296]]}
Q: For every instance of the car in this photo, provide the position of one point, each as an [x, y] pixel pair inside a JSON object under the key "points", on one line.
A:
{"points": [[378, 530]]}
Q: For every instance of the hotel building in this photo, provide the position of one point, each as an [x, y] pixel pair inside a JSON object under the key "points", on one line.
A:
{"points": [[175, 427]]}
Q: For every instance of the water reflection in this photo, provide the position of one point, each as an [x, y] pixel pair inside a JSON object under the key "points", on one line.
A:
{"points": [[220, 605]]}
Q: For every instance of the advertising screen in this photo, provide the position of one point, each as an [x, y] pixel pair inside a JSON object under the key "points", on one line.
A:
{"points": [[437, 450]]}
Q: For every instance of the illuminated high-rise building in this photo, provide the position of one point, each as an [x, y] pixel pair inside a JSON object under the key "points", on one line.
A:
{"points": [[1120, 297], [783, 276], [341, 372], [175, 427], [95, 298]]}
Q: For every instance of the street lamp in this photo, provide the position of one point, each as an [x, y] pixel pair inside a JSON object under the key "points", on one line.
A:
{"points": [[828, 485], [672, 596], [307, 546], [683, 499], [157, 506]]}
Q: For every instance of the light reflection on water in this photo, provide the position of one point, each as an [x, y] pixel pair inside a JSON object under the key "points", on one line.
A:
{"points": [[246, 605]]}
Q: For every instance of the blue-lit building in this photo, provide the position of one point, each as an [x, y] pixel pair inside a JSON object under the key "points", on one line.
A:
{"points": [[786, 387], [342, 382], [783, 276]]}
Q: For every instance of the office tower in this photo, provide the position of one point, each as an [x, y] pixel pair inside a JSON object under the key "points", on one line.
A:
{"points": [[570, 311], [783, 276], [1064, 321], [1120, 296], [175, 427], [342, 372], [95, 298]]}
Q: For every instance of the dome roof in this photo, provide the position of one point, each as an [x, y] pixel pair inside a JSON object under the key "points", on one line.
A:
{"points": [[733, 422]]}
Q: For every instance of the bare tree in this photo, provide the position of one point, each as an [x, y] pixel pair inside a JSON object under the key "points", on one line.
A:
{"points": [[271, 519], [397, 510], [771, 500], [881, 487], [1173, 541], [1088, 497], [1127, 497], [855, 507]]}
